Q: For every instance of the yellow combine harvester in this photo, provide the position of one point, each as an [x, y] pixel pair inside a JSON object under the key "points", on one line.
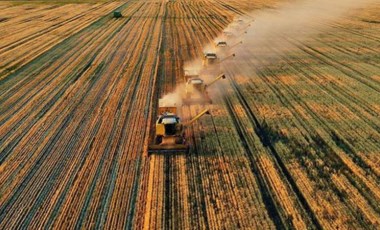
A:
{"points": [[196, 90], [210, 59], [170, 132], [221, 44]]}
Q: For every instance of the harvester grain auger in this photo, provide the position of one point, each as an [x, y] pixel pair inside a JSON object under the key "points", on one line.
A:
{"points": [[196, 90], [169, 135], [211, 65], [236, 44], [226, 58], [211, 59], [222, 44]]}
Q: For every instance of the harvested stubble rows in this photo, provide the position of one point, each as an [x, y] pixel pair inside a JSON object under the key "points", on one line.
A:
{"points": [[300, 133], [29, 30], [75, 107], [277, 151], [315, 109], [73, 123]]}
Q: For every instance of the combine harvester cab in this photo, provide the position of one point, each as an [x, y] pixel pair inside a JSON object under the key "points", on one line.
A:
{"points": [[210, 59], [170, 132], [221, 44], [210, 64], [196, 90]]}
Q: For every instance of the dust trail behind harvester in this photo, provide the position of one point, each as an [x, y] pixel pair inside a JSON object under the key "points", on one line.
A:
{"points": [[297, 20], [261, 32], [173, 98]]}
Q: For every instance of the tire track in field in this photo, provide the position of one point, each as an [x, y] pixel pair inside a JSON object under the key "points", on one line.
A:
{"points": [[329, 130], [170, 204], [265, 140], [276, 89]]}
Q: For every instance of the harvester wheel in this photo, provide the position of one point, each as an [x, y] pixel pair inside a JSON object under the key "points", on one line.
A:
{"points": [[158, 140]]}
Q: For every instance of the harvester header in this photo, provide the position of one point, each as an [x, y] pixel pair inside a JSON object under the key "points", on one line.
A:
{"points": [[164, 107], [196, 90], [169, 134]]}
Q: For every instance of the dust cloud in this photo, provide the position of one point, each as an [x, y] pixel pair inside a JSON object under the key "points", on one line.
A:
{"points": [[290, 23], [173, 98], [254, 36]]}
